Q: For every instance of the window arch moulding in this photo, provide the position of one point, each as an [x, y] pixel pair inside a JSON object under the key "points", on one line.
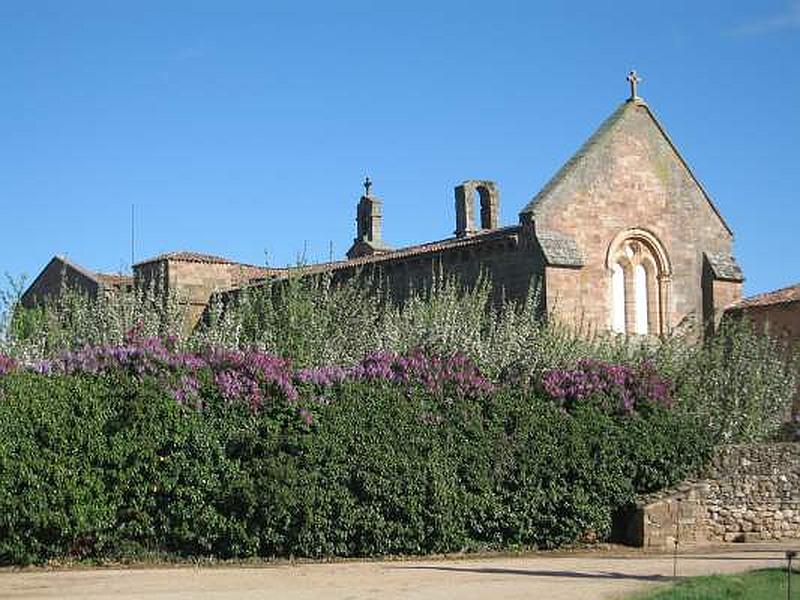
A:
{"points": [[639, 283]]}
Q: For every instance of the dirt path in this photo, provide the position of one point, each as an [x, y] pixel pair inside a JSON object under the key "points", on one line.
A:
{"points": [[596, 575]]}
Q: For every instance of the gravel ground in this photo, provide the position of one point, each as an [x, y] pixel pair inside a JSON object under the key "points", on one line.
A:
{"points": [[608, 574]]}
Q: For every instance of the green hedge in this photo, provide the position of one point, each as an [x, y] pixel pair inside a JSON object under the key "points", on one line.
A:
{"points": [[113, 467]]}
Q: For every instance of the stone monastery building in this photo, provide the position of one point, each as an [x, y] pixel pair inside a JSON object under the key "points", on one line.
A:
{"points": [[622, 238]]}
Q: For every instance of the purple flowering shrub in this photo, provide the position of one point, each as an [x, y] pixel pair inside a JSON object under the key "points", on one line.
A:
{"points": [[7, 364], [258, 378], [620, 389], [252, 377], [437, 374]]}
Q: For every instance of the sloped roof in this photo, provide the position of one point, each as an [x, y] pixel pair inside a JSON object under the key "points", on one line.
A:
{"points": [[247, 273], [542, 197], [112, 279], [99, 279], [559, 250], [507, 233], [785, 295], [188, 256], [73, 265], [724, 266], [446, 244]]}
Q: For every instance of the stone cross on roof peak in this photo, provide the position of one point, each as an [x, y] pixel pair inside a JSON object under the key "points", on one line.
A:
{"points": [[634, 79]]}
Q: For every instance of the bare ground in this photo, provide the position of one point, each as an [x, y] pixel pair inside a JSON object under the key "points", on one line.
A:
{"points": [[609, 574]]}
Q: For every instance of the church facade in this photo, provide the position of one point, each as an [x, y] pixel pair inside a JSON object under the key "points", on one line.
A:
{"points": [[623, 238]]}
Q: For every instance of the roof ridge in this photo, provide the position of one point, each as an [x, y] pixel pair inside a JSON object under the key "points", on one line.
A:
{"points": [[444, 244], [532, 206], [189, 256], [572, 161], [79, 268]]}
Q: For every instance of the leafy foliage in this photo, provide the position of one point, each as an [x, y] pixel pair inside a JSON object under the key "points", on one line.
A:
{"points": [[739, 383], [312, 419], [97, 459]]}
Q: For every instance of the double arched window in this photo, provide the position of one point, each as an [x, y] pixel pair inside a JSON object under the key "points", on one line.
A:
{"points": [[640, 276]]}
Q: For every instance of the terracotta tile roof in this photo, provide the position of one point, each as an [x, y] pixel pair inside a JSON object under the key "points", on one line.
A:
{"points": [[785, 295], [431, 247], [187, 256], [509, 233], [244, 274]]}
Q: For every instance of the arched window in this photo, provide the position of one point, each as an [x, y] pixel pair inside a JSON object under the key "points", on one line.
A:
{"points": [[639, 284], [640, 289], [618, 299]]}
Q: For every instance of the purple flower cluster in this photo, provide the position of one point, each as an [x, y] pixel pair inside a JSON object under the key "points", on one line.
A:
{"points": [[7, 364], [240, 374], [437, 374], [140, 357], [621, 388], [249, 376], [256, 377]]}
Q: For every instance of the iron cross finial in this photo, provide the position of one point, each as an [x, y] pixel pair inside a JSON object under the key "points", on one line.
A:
{"points": [[367, 185], [634, 80]]}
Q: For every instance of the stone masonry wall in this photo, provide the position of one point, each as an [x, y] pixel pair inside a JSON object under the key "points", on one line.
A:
{"points": [[55, 277], [751, 493], [633, 178], [754, 493], [194, 282], [511, 264]]}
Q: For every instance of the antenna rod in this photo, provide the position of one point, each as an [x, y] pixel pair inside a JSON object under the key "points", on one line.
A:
{"points": [[133, 238]]}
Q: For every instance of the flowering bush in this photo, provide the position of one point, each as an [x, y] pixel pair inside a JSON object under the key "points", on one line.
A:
{"points": [[211, 452], [622, 389], [253, 377], [257, 377], [740, 382], [109, 465], [6, 364], [436, 374]]}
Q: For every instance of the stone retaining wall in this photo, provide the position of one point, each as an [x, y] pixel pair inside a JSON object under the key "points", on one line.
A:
{"points": [[750, 493], [754, 493]]}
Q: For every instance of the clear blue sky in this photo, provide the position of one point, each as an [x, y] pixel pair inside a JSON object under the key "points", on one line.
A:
{"points": [[245, 128]]}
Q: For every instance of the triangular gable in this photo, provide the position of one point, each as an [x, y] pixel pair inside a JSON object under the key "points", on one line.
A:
{"points": [[60, 263], [540, 201]]}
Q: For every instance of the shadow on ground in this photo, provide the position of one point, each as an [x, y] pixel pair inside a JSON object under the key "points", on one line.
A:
{"points": [[533, 573]]}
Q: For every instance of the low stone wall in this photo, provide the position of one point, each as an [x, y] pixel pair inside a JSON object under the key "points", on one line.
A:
{"points": [[754, 493], [750, 493]]}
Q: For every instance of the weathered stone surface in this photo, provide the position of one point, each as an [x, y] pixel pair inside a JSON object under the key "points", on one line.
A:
{"points": [[630, 176], [751, 492], [626, 190]]}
